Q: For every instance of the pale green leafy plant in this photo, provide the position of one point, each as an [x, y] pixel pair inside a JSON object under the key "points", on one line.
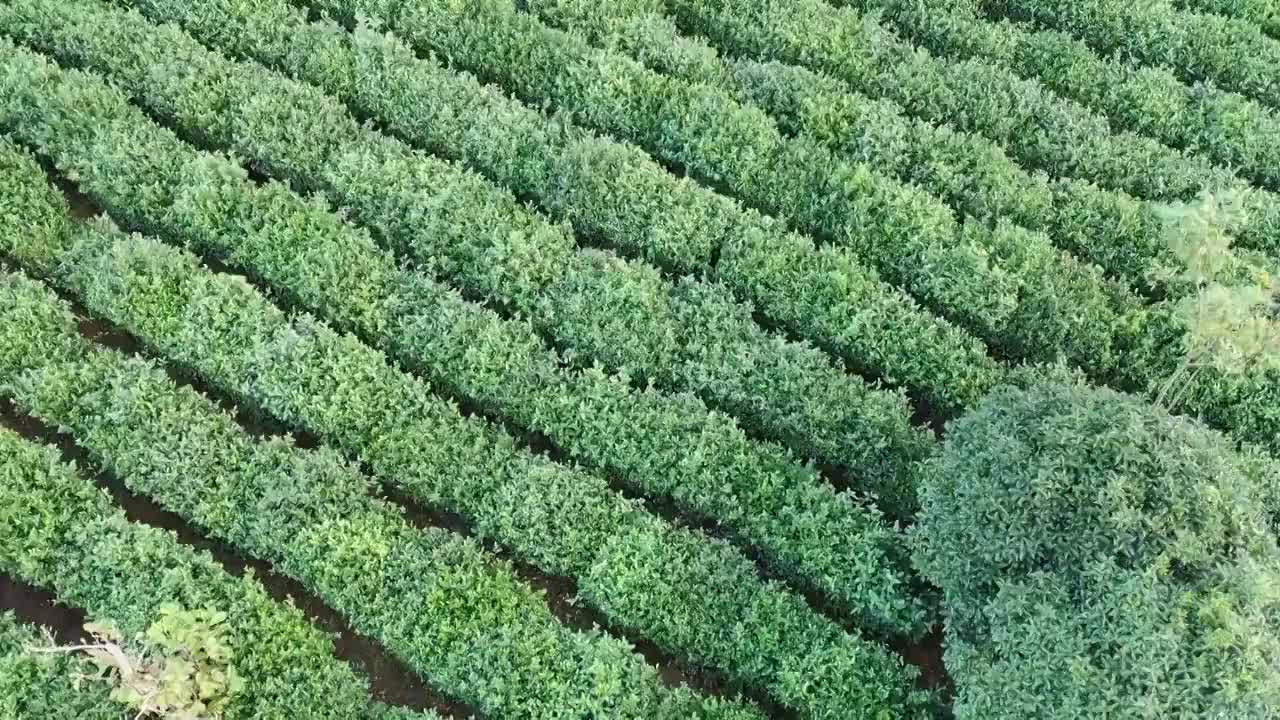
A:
{"points": [[179, 669], [1230, 312], [1199, 234]]}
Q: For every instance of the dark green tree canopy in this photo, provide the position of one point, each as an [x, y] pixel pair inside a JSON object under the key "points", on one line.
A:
{"points": [[1101, 558]]}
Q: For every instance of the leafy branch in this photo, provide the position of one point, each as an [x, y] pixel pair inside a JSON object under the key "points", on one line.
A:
{"points": [[1231, 315], [179, 669]]}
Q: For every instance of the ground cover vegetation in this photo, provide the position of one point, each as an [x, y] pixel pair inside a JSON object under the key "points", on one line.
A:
{"points": [[721, 359]]}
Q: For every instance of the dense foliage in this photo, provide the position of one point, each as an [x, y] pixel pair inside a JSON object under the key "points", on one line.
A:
{"points": [[1263, 12], [1232, 130], [664, 445], [978, 276], [1146, 344], [971, 173], [49, 686], [45, 686], [773, 336], [494, 644], [1036, 127], [562, 520], [181, 668], [1100, 557], [596, 306], [1147, 341], [61, 532], [1233, 54], [618, 196]]}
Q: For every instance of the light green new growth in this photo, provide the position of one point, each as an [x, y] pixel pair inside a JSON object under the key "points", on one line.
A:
{"points": [[1230, 318], [179, 669], [1199, 234]]}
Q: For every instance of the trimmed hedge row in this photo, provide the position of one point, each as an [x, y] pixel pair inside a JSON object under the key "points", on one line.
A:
{"points": [[1226, 399], [549, 515], [813, 33], [59, 531], [1232, 54], [1229, 129], [561, 520], [1223, 398], [972, 174], [492, 36], [1152, 345], [457, 616], [1036, 127], [1133, 572], [667, 445], [977, 276], [613, 194], [1121, 234], [688, 334], [1264, 13]]}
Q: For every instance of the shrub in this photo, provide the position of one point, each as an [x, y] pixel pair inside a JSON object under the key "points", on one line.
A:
{"points": [[1228, 321], [1100, 557], [179, 669], [1052, 477], [479, 237], [1229, 129], [1123, 644], [46, 683], [659, 443], [309, 377], [1234, 55]]}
